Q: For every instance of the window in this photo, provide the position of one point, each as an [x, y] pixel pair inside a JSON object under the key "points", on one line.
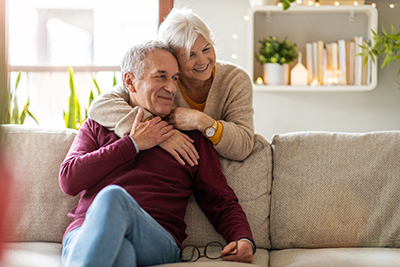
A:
{"points": [[47, 36]]}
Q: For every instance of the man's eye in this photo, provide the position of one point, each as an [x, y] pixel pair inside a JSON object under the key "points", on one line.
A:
{"points": [[175, 79]]}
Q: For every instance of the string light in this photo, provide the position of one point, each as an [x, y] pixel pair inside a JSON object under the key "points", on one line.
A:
{"points": [[377, 2], [337, 3]]}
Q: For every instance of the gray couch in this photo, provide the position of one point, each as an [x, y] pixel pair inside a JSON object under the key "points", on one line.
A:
{"points": [[312, 199]]}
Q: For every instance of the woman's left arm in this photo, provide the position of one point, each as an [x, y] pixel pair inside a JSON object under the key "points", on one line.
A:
{"points": [[237, 139]]}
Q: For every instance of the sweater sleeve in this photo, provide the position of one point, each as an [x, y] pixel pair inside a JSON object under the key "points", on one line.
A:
{"points": [[87, 163], [231, 103], [112, 110], [217, 200]]}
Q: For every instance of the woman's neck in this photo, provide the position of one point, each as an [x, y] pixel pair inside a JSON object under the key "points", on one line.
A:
{"points": [[197, 90]]}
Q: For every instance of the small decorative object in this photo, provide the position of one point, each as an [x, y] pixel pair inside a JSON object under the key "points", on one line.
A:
{"points": [[275, 57], [342, 2], [259, 81], [299, 74], [303, 3], [332, 77], [285, 3], [254, 3], [276, 74], [314, 82]]}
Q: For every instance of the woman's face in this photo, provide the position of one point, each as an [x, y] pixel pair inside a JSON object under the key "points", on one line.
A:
{"points": [[201, 61]]}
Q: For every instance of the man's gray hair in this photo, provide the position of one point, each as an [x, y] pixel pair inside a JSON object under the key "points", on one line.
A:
{"points": [[134, 59]]}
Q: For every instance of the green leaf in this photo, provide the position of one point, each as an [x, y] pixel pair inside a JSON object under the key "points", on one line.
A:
{"points": [[387, 60], [114, 80], [72, 114], [97, 86], [24, 112], [15, 111], [33, 117], [18, 79]]}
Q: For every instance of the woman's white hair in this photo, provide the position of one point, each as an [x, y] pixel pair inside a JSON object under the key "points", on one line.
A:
{"points": [[181, 28]]}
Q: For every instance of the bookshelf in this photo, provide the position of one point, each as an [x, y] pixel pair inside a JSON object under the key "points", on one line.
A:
{"points": [[302, 24]]}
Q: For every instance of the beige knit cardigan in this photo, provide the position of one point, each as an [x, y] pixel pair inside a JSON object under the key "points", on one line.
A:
{"points": [[229, 101]]}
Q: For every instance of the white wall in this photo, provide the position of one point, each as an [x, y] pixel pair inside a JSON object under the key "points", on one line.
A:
{"points": [[277, 112]]}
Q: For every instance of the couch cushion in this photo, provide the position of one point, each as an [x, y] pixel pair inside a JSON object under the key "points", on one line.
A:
{"points": [[38, 209], [336, 257], [335, 190], [32, 254], [251, 181], [260, 259]]}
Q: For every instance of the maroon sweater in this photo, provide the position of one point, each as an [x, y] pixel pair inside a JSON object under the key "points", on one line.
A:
{"points": [[159, 184]]}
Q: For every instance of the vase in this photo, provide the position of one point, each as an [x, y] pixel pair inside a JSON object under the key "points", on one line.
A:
{"points": [[276, 74], [254, 3]]}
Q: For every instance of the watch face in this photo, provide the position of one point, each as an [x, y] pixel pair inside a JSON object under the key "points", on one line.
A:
{"points": [[210, 132]]}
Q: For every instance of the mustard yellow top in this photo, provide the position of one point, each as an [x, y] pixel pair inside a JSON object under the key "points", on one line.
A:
{"points": [[200, 107]]}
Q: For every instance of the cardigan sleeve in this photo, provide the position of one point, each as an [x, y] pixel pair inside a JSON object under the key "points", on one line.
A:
{"points": [[231, 103], [87, 163], [112, 110]]}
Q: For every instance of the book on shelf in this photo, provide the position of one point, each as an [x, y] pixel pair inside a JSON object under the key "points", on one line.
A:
{"points": [[341, 44], [339, 57], [309, 62]]}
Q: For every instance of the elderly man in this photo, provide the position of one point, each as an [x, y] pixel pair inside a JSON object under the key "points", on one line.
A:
{"points": [[133, 193]]}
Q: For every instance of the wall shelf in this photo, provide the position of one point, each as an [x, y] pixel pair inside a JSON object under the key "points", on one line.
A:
{"points": [[302, 24]]}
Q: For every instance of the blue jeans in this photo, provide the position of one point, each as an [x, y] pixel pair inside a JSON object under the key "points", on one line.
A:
{"points": [[118, 232]]}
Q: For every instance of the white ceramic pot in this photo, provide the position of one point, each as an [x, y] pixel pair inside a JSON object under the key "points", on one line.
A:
{"points": [[254, 3], [276, 74]]}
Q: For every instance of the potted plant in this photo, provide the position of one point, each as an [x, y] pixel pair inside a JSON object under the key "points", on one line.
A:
{"points": [[386, 44], [12, 114], [275, 57]]}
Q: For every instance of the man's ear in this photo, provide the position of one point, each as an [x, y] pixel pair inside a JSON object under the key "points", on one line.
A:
{"points": [[129, 80]]}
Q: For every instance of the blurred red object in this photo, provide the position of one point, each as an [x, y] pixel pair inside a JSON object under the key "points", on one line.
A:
{"points": [[5, 183]]}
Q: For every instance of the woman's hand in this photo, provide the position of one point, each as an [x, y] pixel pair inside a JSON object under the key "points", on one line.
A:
{"points": [[179, 145], [244, 251], [187, 119]]}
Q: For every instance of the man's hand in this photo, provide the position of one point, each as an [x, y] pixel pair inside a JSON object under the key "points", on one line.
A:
{"points": [[179, 145], [244, 252], [150, 133]]}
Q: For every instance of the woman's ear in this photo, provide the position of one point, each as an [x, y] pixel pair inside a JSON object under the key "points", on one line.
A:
{"points": [[129, 80]]}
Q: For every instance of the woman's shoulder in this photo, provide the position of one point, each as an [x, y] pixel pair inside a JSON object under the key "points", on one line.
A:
{"points": [[229, 70]]}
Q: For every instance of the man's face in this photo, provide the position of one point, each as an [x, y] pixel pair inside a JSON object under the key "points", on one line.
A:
{"points": [[157, 88]]}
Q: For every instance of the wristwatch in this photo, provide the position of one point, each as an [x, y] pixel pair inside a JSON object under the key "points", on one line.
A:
{"points": [[210, 131]]}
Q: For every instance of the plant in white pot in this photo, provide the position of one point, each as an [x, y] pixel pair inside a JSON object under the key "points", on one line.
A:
{"points": [[275, 57]]}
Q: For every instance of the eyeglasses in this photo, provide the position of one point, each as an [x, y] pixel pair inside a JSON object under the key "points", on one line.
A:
{"points": [[212, 251]]}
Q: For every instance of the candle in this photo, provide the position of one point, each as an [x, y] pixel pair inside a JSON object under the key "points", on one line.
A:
{"points": [[259, 81]]}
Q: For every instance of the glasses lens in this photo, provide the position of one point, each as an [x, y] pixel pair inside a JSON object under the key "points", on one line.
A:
{"points": [[213, 250], [189, 253]]}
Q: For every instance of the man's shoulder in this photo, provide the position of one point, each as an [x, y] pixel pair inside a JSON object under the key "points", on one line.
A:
{"points": [[200, 141]]}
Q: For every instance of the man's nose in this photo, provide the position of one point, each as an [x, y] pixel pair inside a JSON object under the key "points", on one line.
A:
{"points": [[171, 85]]}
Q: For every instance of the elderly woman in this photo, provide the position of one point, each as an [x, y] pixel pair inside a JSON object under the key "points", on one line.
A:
{"points": [[214, 97]]}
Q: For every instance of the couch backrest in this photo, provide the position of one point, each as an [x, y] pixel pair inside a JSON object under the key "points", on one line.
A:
{"points": [[335, 190], [38, 209], [251, 181]]}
